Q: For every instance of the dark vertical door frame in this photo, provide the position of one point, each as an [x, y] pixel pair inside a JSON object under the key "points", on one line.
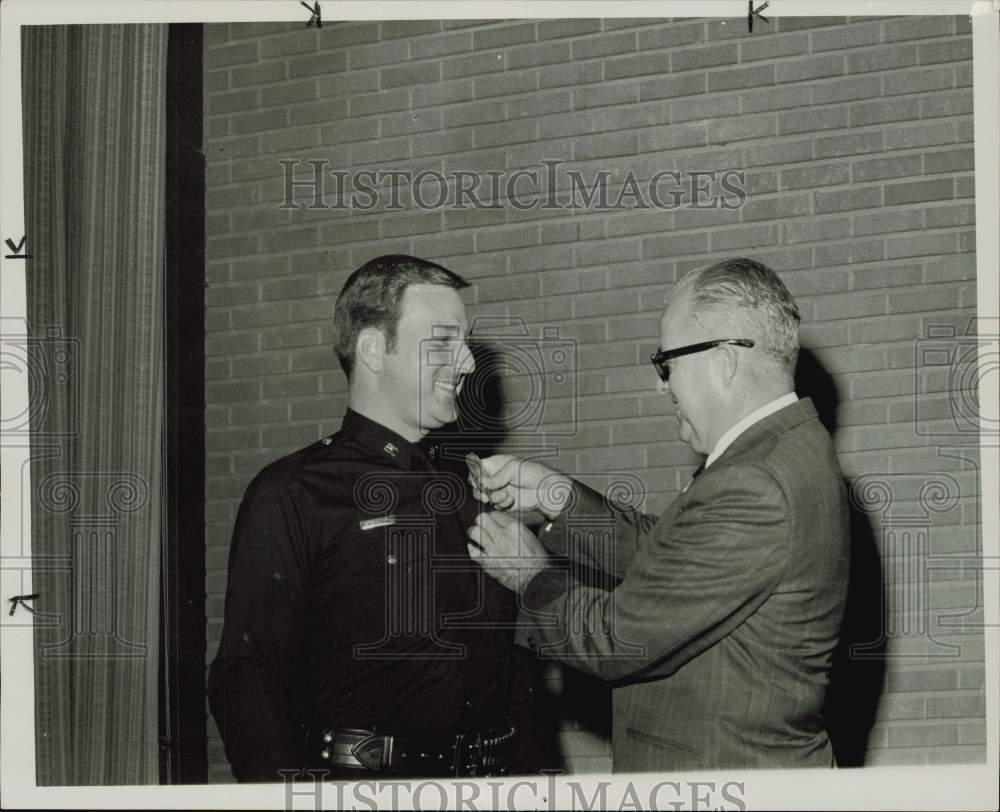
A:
{"points": [[183, 727]]}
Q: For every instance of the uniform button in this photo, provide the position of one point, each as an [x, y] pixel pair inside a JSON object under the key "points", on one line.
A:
{"points": [[391, 559], [325, 754], [326, 441], [531, 643], [327, 738]]}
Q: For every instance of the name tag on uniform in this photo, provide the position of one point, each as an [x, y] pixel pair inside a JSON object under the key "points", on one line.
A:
{"points": [[381, 521]]}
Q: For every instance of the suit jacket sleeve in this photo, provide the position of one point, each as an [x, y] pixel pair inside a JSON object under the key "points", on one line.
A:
{"points": [[693, 581], [589, 510], [250, 682]]}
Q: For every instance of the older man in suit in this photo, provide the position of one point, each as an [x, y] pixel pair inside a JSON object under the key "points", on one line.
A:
{"points": [[719, 626]]}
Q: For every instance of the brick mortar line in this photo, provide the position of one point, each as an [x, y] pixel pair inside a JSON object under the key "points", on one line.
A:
{"points": [[612, 215], [719, 229], [520, 71], [571, 215], [304, 154], [807, 217], [652, 103], [567, 89]]}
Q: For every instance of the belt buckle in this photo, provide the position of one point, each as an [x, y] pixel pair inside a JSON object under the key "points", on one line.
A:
{"points": [[373, 751]]}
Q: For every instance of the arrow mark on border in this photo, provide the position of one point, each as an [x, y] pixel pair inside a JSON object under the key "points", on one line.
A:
{"points": [[756, 12], [15, 248], [316, 17]]}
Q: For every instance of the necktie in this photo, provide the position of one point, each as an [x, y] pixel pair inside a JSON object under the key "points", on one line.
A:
{"points": [[694, 475]]}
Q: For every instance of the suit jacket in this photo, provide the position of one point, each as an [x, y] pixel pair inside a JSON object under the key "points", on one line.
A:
{"points": [[720, 632]]}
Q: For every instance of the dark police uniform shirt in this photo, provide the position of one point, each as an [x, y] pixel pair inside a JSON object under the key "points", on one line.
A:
{"points": [[352, 602]]}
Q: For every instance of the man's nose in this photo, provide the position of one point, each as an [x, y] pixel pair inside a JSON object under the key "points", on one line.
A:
{"points": [[466, 363]]}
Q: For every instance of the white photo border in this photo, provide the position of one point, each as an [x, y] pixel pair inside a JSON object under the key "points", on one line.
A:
{"points": [[924, 787]]}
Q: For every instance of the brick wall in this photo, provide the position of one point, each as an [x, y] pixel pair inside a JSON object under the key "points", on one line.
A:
{"points": [[855, 136]]}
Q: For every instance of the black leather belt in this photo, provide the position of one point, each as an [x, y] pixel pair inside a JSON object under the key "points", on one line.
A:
{"points": [[484, 753]]}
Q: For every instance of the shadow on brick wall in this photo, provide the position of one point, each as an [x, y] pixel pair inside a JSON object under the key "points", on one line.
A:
{"points": [[855, 682], [480, 426], [580, 703], [481, 423], [483, 427]]}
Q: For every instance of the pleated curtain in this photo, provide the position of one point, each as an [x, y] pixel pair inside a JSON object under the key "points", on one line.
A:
{"points": [[94, 133]]}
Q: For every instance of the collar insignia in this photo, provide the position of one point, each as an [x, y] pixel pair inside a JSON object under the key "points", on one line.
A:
{"points": [[380, 521]]}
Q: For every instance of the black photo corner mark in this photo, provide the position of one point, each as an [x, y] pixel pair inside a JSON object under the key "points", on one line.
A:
{"points": [[21, 600], [756, 12], [15, 248], [316, 17]]}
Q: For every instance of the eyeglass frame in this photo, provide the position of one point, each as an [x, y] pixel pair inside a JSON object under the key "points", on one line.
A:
{"points": [[660, 357]]}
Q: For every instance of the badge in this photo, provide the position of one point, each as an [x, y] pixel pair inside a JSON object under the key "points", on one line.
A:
{"points": [[381, 521]]}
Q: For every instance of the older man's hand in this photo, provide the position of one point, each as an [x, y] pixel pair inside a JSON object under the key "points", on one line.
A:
{"points": [[521, 486], [506, 549]]}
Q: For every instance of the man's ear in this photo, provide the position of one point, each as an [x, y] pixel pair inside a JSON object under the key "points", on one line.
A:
{"points": [[728, 362], [370, 348]]}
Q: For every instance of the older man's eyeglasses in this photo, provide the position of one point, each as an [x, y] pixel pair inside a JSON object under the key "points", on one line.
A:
{"points": [[661, 357]]}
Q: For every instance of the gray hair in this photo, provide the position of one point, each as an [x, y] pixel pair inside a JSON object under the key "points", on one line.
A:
{"points": [[751, 299]]}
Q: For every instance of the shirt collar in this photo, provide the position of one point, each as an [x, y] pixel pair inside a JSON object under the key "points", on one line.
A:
{"points": [[741, 426], [381, 441]]}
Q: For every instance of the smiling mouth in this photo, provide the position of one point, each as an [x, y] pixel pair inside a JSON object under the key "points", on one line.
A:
{"points": [[450, 388]]}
